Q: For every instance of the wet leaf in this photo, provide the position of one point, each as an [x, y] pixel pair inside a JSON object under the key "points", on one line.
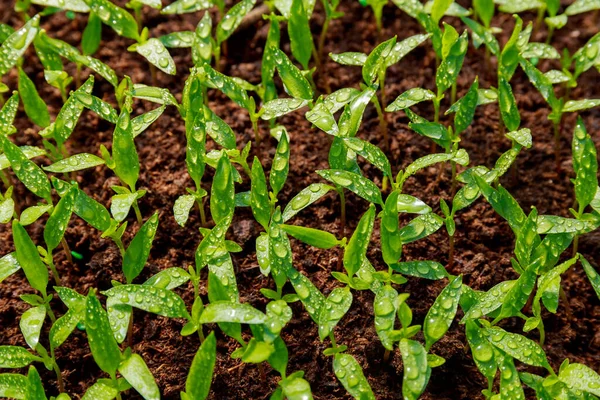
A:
{"points": [[351, 375], [358, 184], [356, 249], [15, 45], [442, 312], [137, 374], [155, 52], [416, 369], [137, 253], [35, 108], [149, 298], [231, 312], [114, 16], [31, 325], [76, 162], [199, 378]]}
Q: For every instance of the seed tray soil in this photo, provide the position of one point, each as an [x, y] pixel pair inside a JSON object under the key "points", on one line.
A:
{"points": [[484, 241]]}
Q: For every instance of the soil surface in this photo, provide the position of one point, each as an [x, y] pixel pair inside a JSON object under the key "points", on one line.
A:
{"points": [[484, 242]]}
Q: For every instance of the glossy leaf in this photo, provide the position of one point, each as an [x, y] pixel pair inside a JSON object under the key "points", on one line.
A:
{"points": [[481, 350], [301, 42], [16, 357], [442, 312], [450, 67], [580, 377], [92, 34], [15, 45], [314, 237], [416, 369], [510, 384], [137, 253], [421, 269], [149, 298], [335, 307], [232, 19], [410, 98], [589, 271], [351, 375], [420, 227], [585, 165], [490, 300], [31, 325], [466, 110], [137, 374], [371, 153], [124, 153], [29, 258], [114, 16], [231, 312], [295, 84], [186, 6], [222, 196], [76, 162], [199, 378], [104, 348], [35, 108], [376, 60], [306, 197], [357, 245], [384, 308], [8, 265], [280, 166], [100, 107], [358, 184], [155, 52]]}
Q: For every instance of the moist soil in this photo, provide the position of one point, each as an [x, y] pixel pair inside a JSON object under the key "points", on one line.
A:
{"points": [[484, 242]]}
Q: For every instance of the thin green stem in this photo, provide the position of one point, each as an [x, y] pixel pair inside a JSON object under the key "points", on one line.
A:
{"points": [[453, 93], [556, 126], [50, 313], [67, 250], [333, 342], [323, 35], [453, 187], [343, 226], [200, 204], [54, 271], [138, 214], [255, 128], [59, 379], [130, 330], [382, 123]]}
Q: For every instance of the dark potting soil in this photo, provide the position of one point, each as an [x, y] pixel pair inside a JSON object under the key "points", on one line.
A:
{"points": [[484, 242]]}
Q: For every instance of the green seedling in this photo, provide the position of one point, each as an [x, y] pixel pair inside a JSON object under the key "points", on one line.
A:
{"points": [[375, 65]]}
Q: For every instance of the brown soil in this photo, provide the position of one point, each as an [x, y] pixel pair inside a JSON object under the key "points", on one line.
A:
{"points": [[484, 241]]}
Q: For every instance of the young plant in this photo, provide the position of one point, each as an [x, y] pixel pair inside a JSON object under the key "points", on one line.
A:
{"points": [[206, 45], [375, 65]]}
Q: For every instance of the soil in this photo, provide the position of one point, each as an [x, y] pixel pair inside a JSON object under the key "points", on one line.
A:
{"points": [[484, 242]]}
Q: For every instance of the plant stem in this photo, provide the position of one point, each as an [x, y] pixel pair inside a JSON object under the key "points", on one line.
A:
{"points": [[67, 250], [50, 313], [59, 380], [153, 75], [261, 370], [323, 35], [556, 127], [78, 76], [201, 334], [453, 188], [255, 128], [453, 93], [130, 330], [386, 356], [343, 226], [200, 204], [54, 271], [436, 107], [138, 214], [332, 338], [316, 56], [575, 245], [451, 252], [382, 124], [5, 179]]}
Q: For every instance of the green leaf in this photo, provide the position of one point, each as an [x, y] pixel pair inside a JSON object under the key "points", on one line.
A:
{"points": [[127, 163], [121, 204], [137, 374], [585, 165], [232, 19], [554, 224], [404, 47], [481, 350], [578, 105], [460, 157], [137, 253], [385, 307], [8, 113], [142, 122], [69, 114], [420, 227], [421, 269], [410, 204], [541, 82], [228, 86], [510, 384], [410, 98], [579, 377], [97, 105], [294, 83], [280, 166], [391, 244], [508, 105], [587, 267], [314, 237], [336, 306], [504, 204], [377, 60], [149, 298], [13, 386], [29, 258], [35, 108], [199, 378], [31, 325], [64, 326], [351, 118], [450, 67], [178, 40], [279, 107], [540, 50], [104, 348], [351, 375], [358, 184], [442, 312], [219, 130], [26, 170], [259, 195], [306, 197], [490, 300], [76, 162], [517, 346], [296, 388], [182, 207], [36, 388], [114, 16], [222, 196], [299, 32], [371, 153], [71, 5], [154, 94], [439, 8], [222, 311], [155, 52], [16, 357], [8, 265], [92, 34], [581, 6], [15, 45], [349, 58], [416, 369], [522, 137], [103, 389], [466, 110], [312, 299], [357, 245], [186, 6]]}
